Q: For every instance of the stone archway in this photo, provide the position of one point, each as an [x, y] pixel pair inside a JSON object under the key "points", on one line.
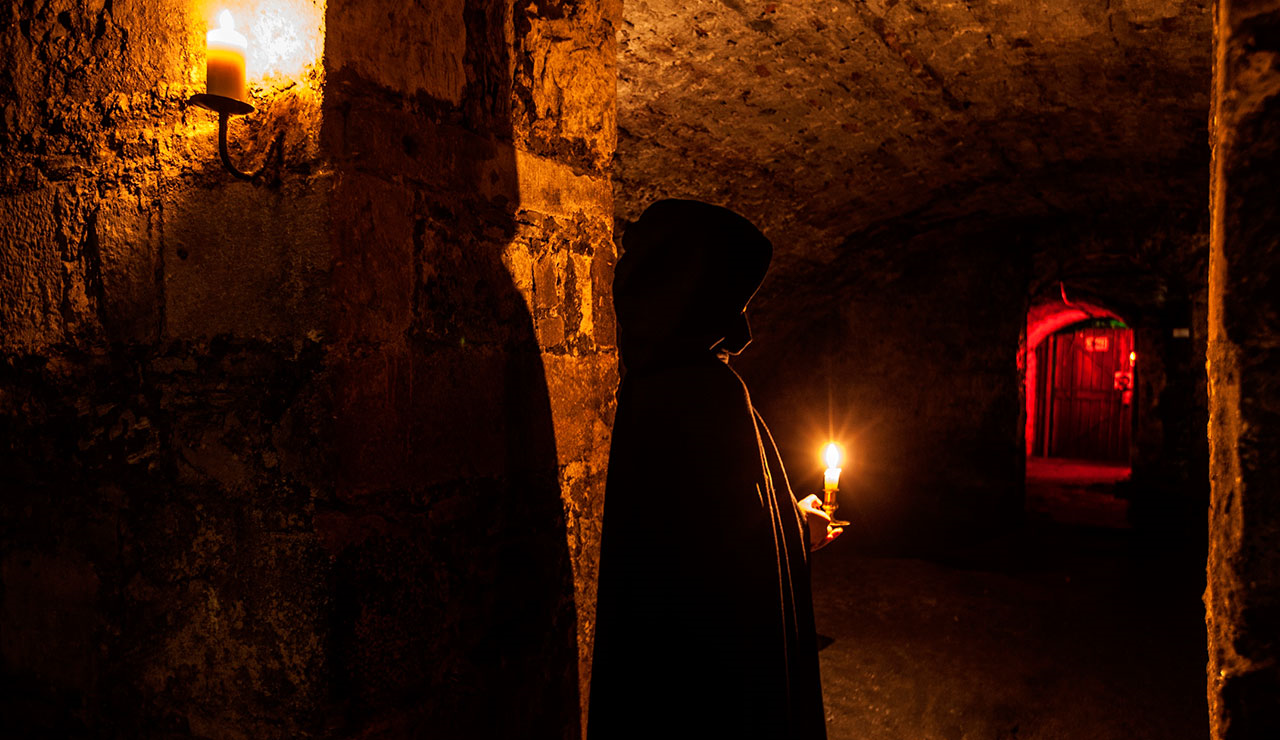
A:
{"points": [[1043, 320]]}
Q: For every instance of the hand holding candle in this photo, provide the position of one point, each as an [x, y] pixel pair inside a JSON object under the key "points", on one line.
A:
{"points": [[831, 484]]}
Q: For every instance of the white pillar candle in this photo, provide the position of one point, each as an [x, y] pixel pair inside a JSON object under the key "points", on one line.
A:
{"points": [[831, 478], [224, 72]]}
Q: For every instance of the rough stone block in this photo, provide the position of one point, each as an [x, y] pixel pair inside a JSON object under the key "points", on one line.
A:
{"points": [[551, 187], [603, 320], [420, 418], [246, 260], [549, 282], [563, 98], [373, 278], [31, 283], [581, 392], [406, 49], [129, 255]]}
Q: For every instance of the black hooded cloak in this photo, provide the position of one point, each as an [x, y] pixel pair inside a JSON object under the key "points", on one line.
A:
{"points": [[704, 619]]}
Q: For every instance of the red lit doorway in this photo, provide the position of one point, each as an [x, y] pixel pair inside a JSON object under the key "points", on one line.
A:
{"points": [[1079, 363], [1084, 409]]}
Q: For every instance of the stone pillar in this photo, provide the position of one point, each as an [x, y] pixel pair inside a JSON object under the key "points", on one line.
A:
{"points": [[1243, 594], [472, 350]]}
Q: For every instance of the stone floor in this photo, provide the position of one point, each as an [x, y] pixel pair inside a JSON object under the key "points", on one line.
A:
{"points": [[1059, 631]]}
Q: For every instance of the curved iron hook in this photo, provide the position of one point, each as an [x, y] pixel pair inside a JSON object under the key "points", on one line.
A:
{"points": [[226, 156]]}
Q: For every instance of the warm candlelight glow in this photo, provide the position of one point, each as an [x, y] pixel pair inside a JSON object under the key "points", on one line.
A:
{"points": [[224, 71], [1133, 359], [831, 482], [833, 455], [288, 40]]}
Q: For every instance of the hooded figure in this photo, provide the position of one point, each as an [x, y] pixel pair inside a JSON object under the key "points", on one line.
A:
{"points": [[704, 620]]}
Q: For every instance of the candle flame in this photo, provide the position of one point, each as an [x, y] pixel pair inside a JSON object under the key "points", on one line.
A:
{"points": [[833, 455], [1133, 358], [226, 21]]}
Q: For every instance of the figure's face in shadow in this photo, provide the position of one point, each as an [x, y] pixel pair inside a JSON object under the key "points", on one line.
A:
{"points": [[663, 302], [737, 335], [686, 272]]}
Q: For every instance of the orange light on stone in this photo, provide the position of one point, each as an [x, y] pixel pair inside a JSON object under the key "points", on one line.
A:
{"points": [[225, 68]]}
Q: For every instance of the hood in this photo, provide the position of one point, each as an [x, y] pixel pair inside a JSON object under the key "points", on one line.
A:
{"points": [[687, 271]]}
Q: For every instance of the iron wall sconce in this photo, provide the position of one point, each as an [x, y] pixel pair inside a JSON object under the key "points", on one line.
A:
{"points": [[225, 108], [225, 90]]}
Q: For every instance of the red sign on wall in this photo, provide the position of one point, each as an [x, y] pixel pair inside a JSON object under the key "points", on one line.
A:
{"points": [[1096, 344]]}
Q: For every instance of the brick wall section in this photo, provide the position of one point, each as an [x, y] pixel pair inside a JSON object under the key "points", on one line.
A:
{"points": [[1243, 595]]}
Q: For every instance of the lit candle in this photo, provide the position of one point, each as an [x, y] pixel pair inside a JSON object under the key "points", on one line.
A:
{"points": [[831, 479], [224, 73], [831, 484]]}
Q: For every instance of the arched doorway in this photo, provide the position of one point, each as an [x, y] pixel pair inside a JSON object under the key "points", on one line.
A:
{"points": [[1080, 364], [1084, 393]]}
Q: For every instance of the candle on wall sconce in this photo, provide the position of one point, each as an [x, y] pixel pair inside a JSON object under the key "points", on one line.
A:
{"points": [[225, 90]]}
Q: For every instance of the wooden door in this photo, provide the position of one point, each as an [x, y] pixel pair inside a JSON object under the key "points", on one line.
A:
{"points": [[1088, 387]]}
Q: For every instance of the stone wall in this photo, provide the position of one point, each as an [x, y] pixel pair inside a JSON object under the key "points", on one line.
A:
{"points": [[1243, 596], [163, 383], [320, 454]]}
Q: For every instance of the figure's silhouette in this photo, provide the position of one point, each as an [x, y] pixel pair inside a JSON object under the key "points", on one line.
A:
{"points": [[704, 619]]}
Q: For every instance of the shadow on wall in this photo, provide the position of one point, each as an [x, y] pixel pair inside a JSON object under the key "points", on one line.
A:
{"points": [[452, 589]]}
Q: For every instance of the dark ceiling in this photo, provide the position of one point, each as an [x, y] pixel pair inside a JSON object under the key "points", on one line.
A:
{"points": [[825, 122]]}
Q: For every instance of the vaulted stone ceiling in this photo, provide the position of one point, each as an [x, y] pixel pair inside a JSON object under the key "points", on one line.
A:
{"points": [[825, 121]]}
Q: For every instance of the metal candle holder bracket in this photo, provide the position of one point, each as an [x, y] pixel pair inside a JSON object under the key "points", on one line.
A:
{"points": [[830, 508], [225, 108]]}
